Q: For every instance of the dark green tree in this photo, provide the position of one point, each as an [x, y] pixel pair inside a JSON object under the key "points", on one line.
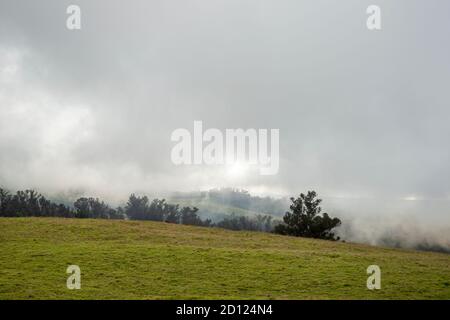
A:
{"points": [[305, 219], [137, 207], [159, 210], [189, 216], [93, 209], [5, 199], [172, 214]]}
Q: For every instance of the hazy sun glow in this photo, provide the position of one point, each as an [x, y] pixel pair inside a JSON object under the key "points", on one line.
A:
{"points": [[411, 198], [237, 170]]}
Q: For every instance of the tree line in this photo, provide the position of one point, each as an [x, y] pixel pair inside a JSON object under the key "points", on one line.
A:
{"points": [[304, 220], [30, 203]]}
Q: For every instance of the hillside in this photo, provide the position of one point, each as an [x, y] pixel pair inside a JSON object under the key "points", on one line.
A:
{"points": [[153, 260], [215, 211], [215, 204]]}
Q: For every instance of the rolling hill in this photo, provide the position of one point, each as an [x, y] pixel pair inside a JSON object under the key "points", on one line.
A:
{"points": [[215, 211], [155, 260], [216, 204]]}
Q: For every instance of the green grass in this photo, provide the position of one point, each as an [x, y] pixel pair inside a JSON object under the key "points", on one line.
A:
{"points": [[152, 260]]}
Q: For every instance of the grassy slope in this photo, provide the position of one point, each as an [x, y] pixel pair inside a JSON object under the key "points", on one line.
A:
{"points": [[151, 260]]}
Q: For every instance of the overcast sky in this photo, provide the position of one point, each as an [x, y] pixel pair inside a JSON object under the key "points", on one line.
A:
{"points": [[362, 114]]}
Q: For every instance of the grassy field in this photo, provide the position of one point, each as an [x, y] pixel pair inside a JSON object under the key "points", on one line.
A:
{"points": [[152, 260]]}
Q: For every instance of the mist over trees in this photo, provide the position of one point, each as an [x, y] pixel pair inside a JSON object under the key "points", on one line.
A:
{"points": [[304, 220], [139, 208], [237, 198], [189, 216], [95, 209], [262, 223]]}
